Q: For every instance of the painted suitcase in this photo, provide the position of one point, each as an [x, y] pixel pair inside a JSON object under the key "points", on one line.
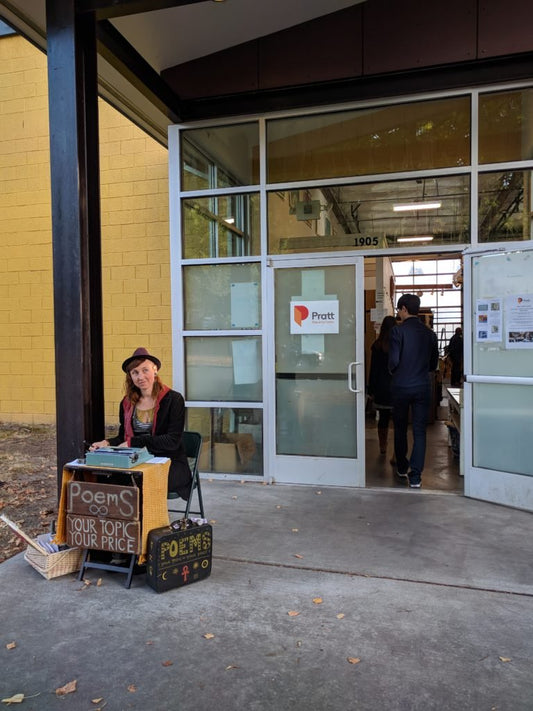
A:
{"points": [[178, 557]]}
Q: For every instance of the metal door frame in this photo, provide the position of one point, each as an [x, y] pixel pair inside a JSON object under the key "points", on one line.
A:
{"points": [[310, 475]]}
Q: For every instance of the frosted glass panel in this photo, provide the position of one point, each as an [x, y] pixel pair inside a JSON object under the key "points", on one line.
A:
{"points": [[222, 297], [503, 427], [502, 289], [223, 369], [315, 411]]}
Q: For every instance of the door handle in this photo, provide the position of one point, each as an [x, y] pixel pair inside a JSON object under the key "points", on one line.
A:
{"points": [[351, 373]]}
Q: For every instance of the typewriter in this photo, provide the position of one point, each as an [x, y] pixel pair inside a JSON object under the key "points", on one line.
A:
{"points": [[119, 457]]}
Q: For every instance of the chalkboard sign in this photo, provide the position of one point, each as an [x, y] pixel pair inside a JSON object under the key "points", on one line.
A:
{"points": [[177, 558], [103, 534], [103, 500]]}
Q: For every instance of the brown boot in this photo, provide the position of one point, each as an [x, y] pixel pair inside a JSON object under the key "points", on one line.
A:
{"points": [[382, 436]]}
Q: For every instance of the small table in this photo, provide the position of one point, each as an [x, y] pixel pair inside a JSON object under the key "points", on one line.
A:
{"points": [[152, 479]]}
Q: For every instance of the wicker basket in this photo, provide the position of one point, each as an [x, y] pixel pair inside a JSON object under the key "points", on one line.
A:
{"points": [[53, 565]]}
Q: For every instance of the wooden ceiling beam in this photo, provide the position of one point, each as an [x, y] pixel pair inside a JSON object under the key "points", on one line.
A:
{"points": [[109, 9]]}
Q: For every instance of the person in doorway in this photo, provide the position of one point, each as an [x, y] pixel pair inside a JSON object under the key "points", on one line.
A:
{"points": [[379, 380], [153, 416], [454, 351], [413, 355]]}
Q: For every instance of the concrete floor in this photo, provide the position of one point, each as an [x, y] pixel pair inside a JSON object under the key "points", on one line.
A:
{"points": [[320, 599], [441, 471]]}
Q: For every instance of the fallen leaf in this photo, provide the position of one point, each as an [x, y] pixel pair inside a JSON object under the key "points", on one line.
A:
{"points": [[299, 643], [149, 642], [505, 659], [67, 689], [132, 688], [11, 645], [294, 530], [232, 666], [99, 582], [318, 600], [278, 506], [97, 701], [233, 497], [16, 699], [297, 555], [293, 613], [168, 663], [354, 660], [208, 635], [340, 615], [318, 493]]}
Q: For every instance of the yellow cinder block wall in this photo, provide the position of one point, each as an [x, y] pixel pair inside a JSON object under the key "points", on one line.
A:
{"points": [[135, 243]]}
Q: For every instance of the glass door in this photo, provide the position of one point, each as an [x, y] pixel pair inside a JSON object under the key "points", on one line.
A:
{"points": [[498, 392], [317, 357]]}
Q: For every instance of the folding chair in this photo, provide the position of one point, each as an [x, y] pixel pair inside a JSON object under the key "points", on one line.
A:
{"points": [[192, 442]]}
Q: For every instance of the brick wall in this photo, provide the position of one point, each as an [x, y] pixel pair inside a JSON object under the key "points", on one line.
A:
{"points": [[135, 243]]}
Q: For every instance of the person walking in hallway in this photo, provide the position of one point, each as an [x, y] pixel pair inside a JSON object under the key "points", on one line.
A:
{"points": [[379, 380], [454, 351], [413, 355]]}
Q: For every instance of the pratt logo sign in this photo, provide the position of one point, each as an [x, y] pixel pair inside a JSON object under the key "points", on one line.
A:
{"points": [[314, 317]]}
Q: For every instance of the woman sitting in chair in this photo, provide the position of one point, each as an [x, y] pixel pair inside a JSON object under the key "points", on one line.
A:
{"points": [[152, 416]]}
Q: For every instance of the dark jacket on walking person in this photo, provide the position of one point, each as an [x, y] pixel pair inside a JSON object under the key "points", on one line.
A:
{"points": [[413, 355], [379, 380]]}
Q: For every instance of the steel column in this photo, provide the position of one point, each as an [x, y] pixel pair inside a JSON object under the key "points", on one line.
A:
{"points": [[76, 240]]}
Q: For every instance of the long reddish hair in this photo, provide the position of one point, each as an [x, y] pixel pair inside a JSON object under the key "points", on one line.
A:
{"points": [[131, 391]]}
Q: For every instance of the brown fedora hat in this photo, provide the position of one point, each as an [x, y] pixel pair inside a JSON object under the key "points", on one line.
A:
{"points": [[140, 354]]}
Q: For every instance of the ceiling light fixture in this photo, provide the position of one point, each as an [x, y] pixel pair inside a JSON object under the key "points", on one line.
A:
{"points": [[422, 238], [416, 206]]}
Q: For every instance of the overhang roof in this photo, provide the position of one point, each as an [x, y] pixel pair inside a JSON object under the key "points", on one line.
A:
{"points": [[138, 39]]}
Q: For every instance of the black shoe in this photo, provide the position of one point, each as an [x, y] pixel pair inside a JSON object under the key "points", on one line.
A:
{"points": [[402, 476], [415, 480]]}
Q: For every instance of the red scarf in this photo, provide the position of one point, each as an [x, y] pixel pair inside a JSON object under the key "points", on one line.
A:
{"points": [[129, 408]]}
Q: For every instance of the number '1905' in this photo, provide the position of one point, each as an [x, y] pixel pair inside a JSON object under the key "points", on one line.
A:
{"points": [[366, 242]]}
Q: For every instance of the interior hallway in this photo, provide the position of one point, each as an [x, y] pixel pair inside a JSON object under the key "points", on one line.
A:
{"points": [[441, 471]]}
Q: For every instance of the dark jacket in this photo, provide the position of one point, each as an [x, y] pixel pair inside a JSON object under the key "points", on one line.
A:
{"points": [[379, 378], [165, 439], [413, 354]]}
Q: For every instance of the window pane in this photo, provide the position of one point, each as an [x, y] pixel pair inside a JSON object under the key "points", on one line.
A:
{"points": [[219, 157], [222, 296], [221, 226], [501, 426], [432, 211], [506, 126], [502, 285], [224, 369], [416, 136], [232, 439], [505, 206]]}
